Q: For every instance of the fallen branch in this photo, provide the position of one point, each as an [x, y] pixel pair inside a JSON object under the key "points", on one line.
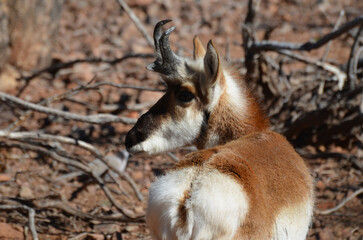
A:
{"points": [[49, 137], [80, 143], [61, 205], [341, 76], [137, 22], [340, 205], [76, 90], [94, 119], [76, 164], [56, 67], [249, 38], [326, 51], [308, 46], [352, 62], [31, 214]]}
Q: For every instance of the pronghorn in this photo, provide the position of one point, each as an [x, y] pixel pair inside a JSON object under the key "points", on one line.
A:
{"points": [[245, 182]]}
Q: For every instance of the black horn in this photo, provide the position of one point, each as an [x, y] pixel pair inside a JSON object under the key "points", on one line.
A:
{"points": [[157, 33], [166, 61]]}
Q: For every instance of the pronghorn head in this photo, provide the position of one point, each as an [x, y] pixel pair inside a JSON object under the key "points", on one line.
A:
{"points": [[203, 104]]}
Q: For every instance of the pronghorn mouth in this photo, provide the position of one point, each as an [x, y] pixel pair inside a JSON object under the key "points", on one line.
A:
{"points": [[140, 153]]}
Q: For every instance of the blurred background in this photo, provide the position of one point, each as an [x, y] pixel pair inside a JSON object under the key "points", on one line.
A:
{"points": [[64, 173]]}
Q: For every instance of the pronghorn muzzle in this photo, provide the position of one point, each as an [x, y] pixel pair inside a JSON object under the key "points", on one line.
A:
{"points": [[140, 132]]}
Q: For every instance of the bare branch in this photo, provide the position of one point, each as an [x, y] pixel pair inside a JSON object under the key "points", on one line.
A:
{"points": [[326, 51], [45, 152], [49, 137], [249, 38], [56, 67], [137, 22], [49, 100], [341, 76], [31, 214], [340, 205], [308, 46], [80, 143], [95, 119], [351, 62], [76, 90], [76, 164], [61, 205]]}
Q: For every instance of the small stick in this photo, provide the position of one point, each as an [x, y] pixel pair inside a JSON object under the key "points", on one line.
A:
{"points": [[61, 205], [76, 164], [56, 67], [95, 119], [341, 76], [137, 22], [49, 137], [351, 65], [76, 90], [275, 46], [340, 205], [31, 214], [80, 143], [326, 51]]}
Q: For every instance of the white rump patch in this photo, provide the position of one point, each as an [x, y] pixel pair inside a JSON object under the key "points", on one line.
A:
{"points": [[293, 222], [215, 207], [172, 134]]}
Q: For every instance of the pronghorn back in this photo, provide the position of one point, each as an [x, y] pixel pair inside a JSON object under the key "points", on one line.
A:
{"points": [[245, 182]]}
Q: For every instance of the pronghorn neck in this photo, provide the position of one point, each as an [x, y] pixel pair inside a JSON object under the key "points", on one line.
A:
{"points": [[232, 113]]}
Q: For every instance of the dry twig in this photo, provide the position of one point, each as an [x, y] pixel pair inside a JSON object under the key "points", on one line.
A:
{"points": [[308, 46], [340, 205], [80, 143], [340, 75], [31, 214], [95, 119], [76, 164], [49, 137], [352, 62], [56, 67], [137, 22]]}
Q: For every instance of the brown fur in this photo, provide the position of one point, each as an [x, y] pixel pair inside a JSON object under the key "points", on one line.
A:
{"points": [[268, 168], [182, 211], [270, 172], [199, 51]]}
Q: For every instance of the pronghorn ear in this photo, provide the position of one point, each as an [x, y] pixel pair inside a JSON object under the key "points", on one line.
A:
{"points": [[199, 51], [212, 65]]}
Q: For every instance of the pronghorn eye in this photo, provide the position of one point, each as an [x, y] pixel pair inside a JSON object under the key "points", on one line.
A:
{"points": [[185, 96]]}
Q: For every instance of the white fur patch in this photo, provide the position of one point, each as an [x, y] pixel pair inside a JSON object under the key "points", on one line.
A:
{"points": [[293, 222], [216, 206], [215, 93], [172, 134], [233, 92]]}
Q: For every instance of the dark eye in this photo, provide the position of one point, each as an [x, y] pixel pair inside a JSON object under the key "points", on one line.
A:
{"points": [[185, 96]]}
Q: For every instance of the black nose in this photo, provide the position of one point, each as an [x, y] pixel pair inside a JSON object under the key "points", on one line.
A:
{"points": [[132, 138], [142, 129]]}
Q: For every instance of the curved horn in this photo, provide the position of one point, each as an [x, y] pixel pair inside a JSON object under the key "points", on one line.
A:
{"points": [[168, 55], [166, 59], [157, 33]]}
